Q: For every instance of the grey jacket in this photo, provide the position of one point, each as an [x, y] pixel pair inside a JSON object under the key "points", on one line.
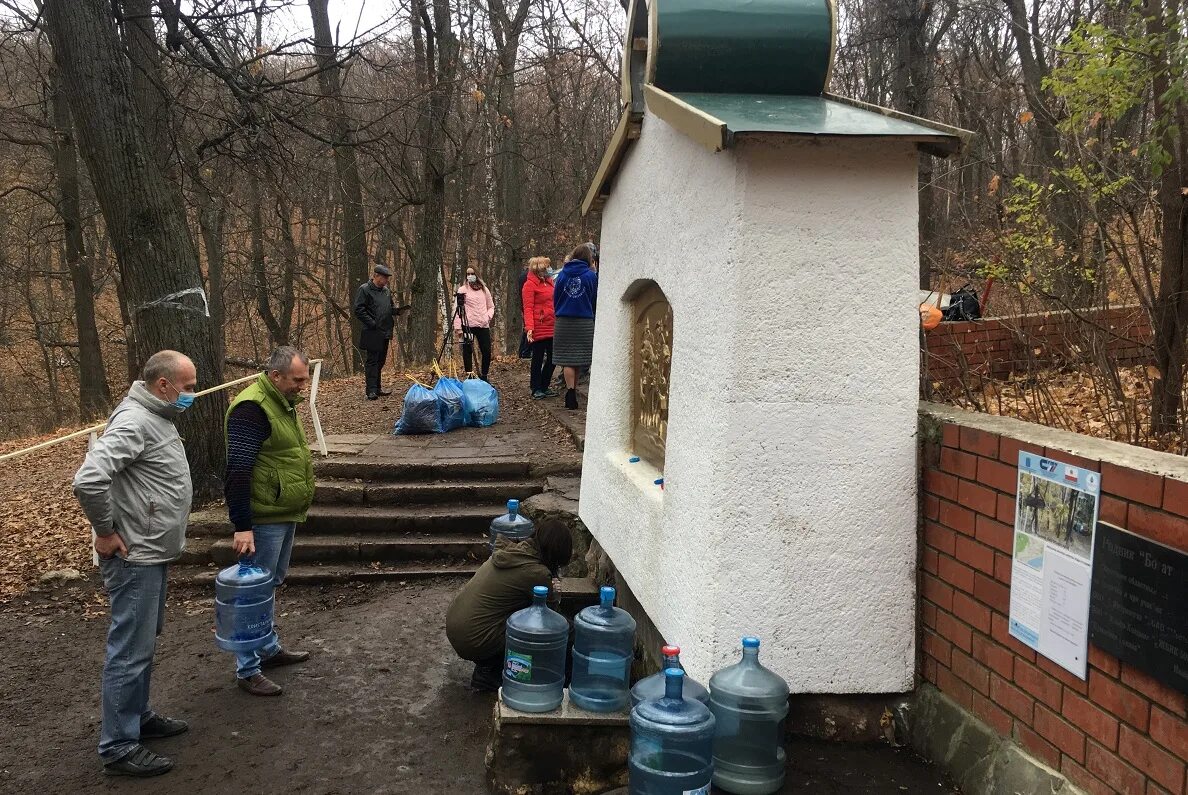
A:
{"points": [[135, 479]]}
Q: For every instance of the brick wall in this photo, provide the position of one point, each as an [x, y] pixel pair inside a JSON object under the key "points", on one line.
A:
{"points": [[1120, 731], [998, 347]]}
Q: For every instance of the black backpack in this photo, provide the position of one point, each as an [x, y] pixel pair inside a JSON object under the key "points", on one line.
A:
{"points": [[963, 305]]}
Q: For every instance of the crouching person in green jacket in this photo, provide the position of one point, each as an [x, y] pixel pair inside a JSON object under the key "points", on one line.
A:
{"points": [[476, 619]]}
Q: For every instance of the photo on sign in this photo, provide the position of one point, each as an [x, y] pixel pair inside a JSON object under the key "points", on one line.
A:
{"points": [[1057, 513]]}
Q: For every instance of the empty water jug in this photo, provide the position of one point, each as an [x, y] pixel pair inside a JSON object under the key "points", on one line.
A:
{"points": [[511, 525], [534, 661], [672, 743], [750, 703], [603, 646], [243, 607], [653, 687]]}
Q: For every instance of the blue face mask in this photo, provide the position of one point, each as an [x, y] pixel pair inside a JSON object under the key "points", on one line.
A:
{"points": [[184, 399]]}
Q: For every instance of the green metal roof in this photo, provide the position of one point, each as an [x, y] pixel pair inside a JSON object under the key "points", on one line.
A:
{"points": [[743, 46], [800, 115]]}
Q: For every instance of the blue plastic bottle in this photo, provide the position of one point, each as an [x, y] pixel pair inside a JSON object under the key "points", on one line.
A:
{"points": [[750, 703], [672, 740], [511, 525], [243, 607], [534, 660], [603, 646], [654, 687]]}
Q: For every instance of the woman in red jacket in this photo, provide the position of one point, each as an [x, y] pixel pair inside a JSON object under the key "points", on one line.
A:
{"points": [[537, 296]]}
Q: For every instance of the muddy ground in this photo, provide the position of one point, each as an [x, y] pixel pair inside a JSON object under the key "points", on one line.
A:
{"points": [[380, 708]]}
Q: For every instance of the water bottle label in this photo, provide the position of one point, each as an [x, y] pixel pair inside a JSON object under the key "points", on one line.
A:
{"points": [[519, 667], [699, 791]]}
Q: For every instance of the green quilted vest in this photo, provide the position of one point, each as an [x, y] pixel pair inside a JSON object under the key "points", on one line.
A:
{"points": [[283, 479]]}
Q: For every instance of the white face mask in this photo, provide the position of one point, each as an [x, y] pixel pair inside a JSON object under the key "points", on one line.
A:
{"points": [[470, 277]]}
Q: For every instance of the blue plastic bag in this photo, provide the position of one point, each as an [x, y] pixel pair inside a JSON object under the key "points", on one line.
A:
{"points": [[449, 400], [480, 402], [422, 413]]}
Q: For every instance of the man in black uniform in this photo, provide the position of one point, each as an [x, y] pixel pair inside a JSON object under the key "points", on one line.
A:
{"points": [[377, 312]]}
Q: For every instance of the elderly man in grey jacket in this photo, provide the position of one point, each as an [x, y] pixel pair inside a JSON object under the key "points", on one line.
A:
{"points": [[134, 487]]}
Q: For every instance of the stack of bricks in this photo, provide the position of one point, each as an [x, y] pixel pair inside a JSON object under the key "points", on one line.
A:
{"points": [[1121, 731], [960, 353]]}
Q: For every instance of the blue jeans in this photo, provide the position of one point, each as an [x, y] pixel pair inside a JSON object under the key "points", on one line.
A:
{"points": [[137, 595], [274, 547]]}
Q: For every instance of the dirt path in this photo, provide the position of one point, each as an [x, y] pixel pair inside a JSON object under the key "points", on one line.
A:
{"points": [[380, 708]]}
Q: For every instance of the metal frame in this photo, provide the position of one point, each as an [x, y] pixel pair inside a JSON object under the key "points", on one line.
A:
{"points": [[94, 431]]}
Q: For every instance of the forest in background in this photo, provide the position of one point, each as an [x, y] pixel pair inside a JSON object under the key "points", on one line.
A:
{"points": [[283, 165]]}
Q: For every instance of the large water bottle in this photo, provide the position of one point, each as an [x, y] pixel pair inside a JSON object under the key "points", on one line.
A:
{"points": [[511, 525], [534, 662], [672, 743], [750, 703], [243, 607], [653, 687], [603, 646]]}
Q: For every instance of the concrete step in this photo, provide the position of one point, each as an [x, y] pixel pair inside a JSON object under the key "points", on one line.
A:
{"points": [[384, 548], [306, 574], [347, 519], [404, 471], [460, 518], [336, 491]]}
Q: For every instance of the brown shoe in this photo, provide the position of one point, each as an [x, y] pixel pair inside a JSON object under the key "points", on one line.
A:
{"points": [[259, 685], [283, 657]]}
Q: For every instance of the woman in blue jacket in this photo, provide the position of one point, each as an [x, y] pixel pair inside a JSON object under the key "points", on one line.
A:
{"points": [[575, 296]]}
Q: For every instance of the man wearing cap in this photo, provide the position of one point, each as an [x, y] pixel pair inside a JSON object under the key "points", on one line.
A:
{"points": [[377, 312]]}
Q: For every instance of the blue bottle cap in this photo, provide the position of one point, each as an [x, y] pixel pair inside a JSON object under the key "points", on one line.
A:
{"points": [[670, 672], [513, 506], [540, 590], [606, 594], [750, 642]]}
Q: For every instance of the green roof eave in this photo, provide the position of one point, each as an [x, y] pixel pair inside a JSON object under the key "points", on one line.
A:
{"points": [[810, 116]]}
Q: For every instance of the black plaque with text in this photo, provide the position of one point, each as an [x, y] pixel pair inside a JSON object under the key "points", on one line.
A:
{"points": [[1139, 604]]}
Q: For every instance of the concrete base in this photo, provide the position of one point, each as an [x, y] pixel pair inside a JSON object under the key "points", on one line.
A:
{"points": [[974, 755], [844, 718], [568, 750]]}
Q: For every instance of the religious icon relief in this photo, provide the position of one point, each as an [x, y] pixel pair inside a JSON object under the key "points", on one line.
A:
{"points": [[653, 365]]}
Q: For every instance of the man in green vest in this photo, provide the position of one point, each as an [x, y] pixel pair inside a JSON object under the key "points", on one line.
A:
{"points": [[269, 488]]}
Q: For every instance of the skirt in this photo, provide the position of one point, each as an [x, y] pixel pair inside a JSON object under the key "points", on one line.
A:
{"points": [[573, 342]]}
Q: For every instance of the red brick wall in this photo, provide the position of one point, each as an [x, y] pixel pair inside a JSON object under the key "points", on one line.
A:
{"points": [[1121, 731], [998, 347]]}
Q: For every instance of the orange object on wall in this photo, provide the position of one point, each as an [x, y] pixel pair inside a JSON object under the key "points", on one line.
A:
{"points": [[930, 316]]}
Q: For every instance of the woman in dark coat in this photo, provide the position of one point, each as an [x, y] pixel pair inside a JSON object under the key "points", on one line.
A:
{"points": [[575, 298], [477, 617]]}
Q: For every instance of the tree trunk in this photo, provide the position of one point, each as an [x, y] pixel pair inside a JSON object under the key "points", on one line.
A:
{"points": [[94, 397], [440, 67], [140, 37], [145, 220], [350, 188], [1170, 316]]}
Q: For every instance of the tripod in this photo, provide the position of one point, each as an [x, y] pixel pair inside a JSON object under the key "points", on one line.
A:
{"points": [[459, 314]]}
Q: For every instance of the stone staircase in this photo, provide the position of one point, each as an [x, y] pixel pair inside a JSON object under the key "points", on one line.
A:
{"points": [[382, 519]]}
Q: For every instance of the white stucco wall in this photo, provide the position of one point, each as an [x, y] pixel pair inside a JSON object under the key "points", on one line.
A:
{"points": [[789, 507]]}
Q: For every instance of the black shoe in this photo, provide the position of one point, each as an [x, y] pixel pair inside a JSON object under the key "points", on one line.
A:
{"points": [[159, 726], [140, 763], [283, 657], [571, 399], [372, 396], [486, 679]]}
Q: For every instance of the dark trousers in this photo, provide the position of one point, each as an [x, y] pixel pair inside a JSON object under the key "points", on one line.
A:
{"points": [[542, 364], [374, 365], [483, 337]]}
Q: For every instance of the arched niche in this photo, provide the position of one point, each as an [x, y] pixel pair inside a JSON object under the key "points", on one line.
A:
{"points": [[651, 364]]}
